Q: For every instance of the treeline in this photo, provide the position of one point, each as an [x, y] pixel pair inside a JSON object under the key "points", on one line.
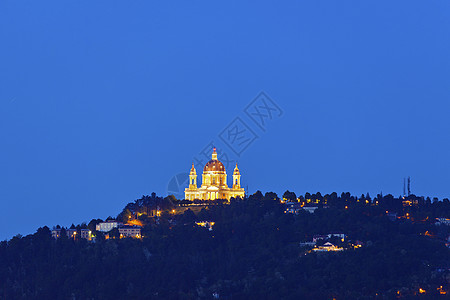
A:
{"points": [[419, 207]]}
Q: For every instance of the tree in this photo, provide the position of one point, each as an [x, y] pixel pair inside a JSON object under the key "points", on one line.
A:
{"points": [[125, 215], [188, 217], [168, 203], [289, 196], [204, 214], [172, 198], [318, 196], [63, 233], [114, 233], [256, 196], [43, 232], [271, 196], [93, 224]]}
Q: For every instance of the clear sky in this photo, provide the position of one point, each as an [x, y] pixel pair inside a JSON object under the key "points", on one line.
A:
{"points": [[104, 101]]}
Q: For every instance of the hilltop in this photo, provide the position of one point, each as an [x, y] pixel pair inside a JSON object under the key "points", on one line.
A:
{"points": [[258, 247]]}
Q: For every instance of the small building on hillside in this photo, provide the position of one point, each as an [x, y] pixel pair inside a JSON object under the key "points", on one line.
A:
{"points": [[341, 236], [206, 224], [442, 221], [327, 247], [130, 231], [107, 225], [310, 209], [319, 237], [293, 207], [409, 202], [391, 215], [307, 244], [296, 207], [72, 233]]}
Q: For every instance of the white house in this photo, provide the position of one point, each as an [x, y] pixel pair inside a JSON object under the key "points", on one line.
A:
{"points": [[107, 225]]}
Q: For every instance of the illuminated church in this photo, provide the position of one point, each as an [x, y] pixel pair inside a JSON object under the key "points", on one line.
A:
{"points": [[214, 182]]}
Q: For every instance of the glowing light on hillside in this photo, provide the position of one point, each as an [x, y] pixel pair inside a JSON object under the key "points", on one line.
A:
{"points": [[441, 290], [135, 222]]}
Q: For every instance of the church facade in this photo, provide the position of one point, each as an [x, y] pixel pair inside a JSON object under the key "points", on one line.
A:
{"points": [[214, 182]]}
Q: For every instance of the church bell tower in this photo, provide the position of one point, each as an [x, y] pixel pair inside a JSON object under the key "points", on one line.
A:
{"points": [[236, 178], [193, 178]]}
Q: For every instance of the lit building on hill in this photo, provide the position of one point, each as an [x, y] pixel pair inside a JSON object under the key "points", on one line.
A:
{"points": [[206, 224], [442, 221], [130, 231], [107, 225], [214, 182], [327, 247], [72, 233]]}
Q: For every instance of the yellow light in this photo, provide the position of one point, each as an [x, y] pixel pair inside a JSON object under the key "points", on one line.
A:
{"points": [[441, 291], [422, 291]]}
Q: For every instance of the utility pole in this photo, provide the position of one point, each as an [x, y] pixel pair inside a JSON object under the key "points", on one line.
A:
{"points": [[409, 185], [404, 187]]}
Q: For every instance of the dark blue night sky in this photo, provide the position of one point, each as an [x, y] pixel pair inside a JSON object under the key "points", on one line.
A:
{"points": [[104, 101]]}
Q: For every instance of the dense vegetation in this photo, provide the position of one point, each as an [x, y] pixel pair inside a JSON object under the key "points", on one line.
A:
{"points": [[252, 252]]}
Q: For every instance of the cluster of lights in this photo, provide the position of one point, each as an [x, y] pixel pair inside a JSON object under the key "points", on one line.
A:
{"points": [[328, 248], [206, 224], [441, 290], [137, 236]]}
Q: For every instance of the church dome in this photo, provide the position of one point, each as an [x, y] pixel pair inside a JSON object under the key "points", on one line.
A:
{"points": [[214, 165]]}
